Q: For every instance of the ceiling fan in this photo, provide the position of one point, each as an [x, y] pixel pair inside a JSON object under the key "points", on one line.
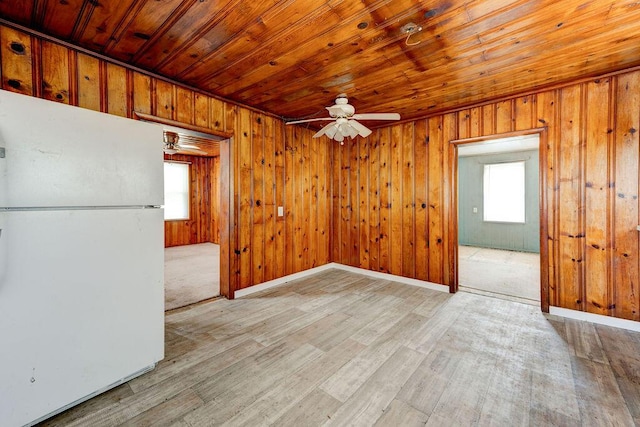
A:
{"points": [[172, 146], [345, 121]]}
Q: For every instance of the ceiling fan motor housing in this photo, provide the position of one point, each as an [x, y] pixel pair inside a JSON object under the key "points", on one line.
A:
{"points": [[342, 108]]}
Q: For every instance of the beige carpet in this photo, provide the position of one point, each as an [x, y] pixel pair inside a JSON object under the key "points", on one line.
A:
{"points": [[508, 273], [191, 274]]}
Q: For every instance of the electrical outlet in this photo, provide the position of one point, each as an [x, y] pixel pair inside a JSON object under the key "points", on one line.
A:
{"points": [[475, 210]]}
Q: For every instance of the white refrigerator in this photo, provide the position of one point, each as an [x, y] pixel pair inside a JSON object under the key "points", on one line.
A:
{"points": [[81, 254]]}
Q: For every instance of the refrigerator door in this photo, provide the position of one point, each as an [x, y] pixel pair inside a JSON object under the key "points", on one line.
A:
{"points": [[56, 155], [81, 305]]}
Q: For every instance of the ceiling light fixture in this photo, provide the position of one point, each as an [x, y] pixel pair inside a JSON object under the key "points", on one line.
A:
{"points": [[410, 29]]}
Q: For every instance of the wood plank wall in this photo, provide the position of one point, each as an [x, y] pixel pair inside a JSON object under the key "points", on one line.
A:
{"points": [[202, 225], [392, 197], [273, 165]]}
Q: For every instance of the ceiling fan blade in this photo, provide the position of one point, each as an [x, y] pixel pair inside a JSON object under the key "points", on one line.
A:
{"points": [[190, 150], [309, 120], [362, 130], [377, 116], [189, 147], [323, 130]]}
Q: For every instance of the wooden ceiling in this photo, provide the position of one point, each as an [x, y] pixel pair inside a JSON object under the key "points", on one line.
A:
{"points": [[292, 57]]}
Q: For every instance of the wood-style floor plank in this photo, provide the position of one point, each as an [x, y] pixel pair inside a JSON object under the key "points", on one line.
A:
{"points": [[340, 348]]}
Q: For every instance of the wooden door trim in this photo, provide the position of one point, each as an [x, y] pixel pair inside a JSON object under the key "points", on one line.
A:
{"points": [[227, 223], [542, 195]]}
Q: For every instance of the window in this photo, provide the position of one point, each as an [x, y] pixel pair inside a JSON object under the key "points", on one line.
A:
{"points": [[504, 192], [176, 190]]}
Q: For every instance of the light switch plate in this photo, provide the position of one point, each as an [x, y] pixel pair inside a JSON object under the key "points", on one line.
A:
{"points": [[280, 210]]}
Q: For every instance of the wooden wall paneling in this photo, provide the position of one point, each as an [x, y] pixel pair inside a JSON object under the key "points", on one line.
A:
{"points": [[88, 90], [164, 101], [73, 77], [597, 243], [297, 202], [373, 167], [395, 234], [504, 119], [269, 201], [203, 220], [116, 97], [408, 201], [353, 211], [546, 116], [230, 122], [192, 225], [363, 221], [257, 199], [525, 108], [421, 201], [314, 216], [141, 93], [55, 72], [475, 121], [201, 112], [218, 115], [16, 61], [488, 121], [280, 248], [570, 231], [384, 172], [626, 214], [290, 195], [336, 206], [343, 223], [464, 123], [324, 196], [244, 203], [184, 100], [215, 199], [305, 196], [435, 197]]}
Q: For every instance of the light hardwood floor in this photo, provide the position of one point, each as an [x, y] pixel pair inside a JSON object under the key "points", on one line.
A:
{"points": [[339, 348]]}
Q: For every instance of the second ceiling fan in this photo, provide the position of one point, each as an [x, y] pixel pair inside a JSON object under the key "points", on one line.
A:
{"points": [[345, 121]]}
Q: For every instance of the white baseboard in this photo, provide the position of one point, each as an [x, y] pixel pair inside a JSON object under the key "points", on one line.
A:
{"points": [[393, 277], [282, 280], [596, 318]]}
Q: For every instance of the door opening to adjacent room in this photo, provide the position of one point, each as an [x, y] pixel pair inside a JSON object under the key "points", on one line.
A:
{"points": [[499, 217], [192, 244]]}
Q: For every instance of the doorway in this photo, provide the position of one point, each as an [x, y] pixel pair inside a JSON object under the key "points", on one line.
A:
{"points": [[197, 235], [498, 216]]}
